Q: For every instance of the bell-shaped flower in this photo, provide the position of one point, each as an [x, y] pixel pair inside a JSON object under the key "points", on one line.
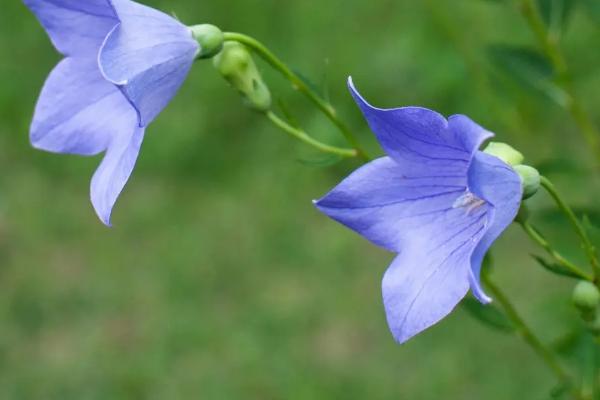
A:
{"points": [[436, 200], [123, 63]]}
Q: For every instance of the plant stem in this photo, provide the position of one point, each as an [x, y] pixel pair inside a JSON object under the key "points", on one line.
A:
{"points": [[304, 137], [548, 42], [300, 85], [534, 234], [529, 337], [550, 46], [590, 373], [579, 229]]}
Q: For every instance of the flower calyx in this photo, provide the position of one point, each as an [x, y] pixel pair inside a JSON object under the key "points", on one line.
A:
{"points": [[210, 38], [530, 177]]}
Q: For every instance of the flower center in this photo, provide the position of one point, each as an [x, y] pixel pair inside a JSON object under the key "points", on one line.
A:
{"points": [[469, 201]]}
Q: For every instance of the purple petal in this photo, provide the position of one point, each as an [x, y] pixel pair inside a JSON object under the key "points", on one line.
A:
{"points": [[431, 274], [78, 112], [148, 55], [499, 185], [433, 221], [420, 139], [75, 27], [385, 198], [384, 205], [114, 171], [468, 133], [436, 200]]}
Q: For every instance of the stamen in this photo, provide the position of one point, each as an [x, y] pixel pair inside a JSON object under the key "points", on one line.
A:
{"points": [[469, 201]]}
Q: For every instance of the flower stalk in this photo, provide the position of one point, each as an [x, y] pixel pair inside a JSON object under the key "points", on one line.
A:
{"points": [[537, 237], [589, 248], [529, 337], [305, 138], [550, 46], [324, 106]]}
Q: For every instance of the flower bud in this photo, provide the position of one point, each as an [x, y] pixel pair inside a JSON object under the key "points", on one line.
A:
{"points": [[530, 179], [504, 152], [586, 297], [210, 38], [236, 65]]}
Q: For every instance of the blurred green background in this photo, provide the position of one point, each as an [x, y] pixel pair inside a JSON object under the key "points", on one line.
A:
{"points": [[219, 279]]}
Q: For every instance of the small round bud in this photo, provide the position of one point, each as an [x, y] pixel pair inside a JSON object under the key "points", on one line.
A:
{"points": [[504, 152], [586, 296], [210, 38], [530, 179], [236, 65]]}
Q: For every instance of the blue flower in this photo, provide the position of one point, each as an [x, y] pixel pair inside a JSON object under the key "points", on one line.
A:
{"points": [[123, 63], [436, 200]]}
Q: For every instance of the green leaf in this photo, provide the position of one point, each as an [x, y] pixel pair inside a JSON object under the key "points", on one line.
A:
{"points": [[556, 13], [528, 68], [555, 268], [488, 314]]}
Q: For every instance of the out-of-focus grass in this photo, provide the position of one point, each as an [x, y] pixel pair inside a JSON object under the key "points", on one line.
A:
{"points": [[219, 279]]}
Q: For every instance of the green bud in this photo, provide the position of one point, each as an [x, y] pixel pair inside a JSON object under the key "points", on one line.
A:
{"points": [[210, 38], [586, 297], [504, 152], [530, 179], [236, 65]]}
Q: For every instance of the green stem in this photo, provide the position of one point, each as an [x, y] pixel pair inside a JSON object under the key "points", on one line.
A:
{"points": [[300, 85], [528, 336], [584, 122], [548, 42], [550, 45], [304, 137], [579, 229], [590, 373], [539, 239]]}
